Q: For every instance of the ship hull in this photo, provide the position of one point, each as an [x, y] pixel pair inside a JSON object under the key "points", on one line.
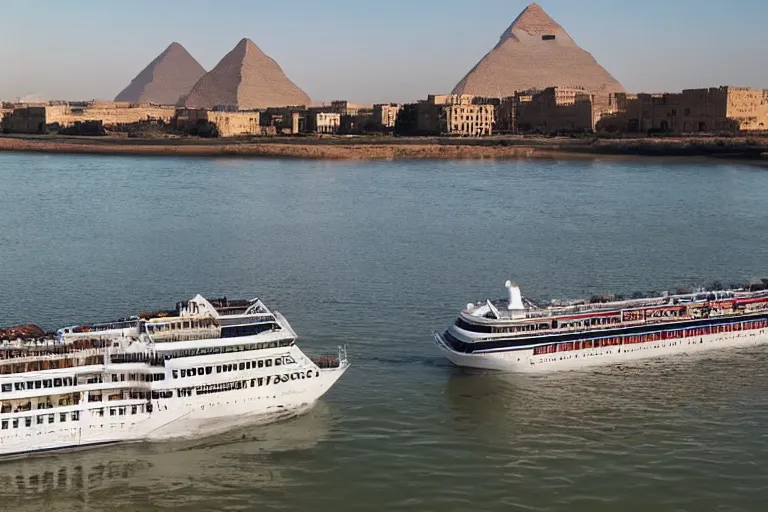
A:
{"points": [[524, 360], [190, 417]]}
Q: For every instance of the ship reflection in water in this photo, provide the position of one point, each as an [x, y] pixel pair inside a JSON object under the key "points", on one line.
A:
{"points": [[149, 473]]}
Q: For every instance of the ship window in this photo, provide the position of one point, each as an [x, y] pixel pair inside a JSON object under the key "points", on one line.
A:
{"points": [[122, 411], [208, 370], [62, 417], [75, 415], [51, 418], [5, 424], [242, 366], [19, 386], [38, 384], [15, 423], [7, 388], [260, 381], [268, 363], [183, 373], [278, 361], [261, 364], [57, 383], [175, 374], [27, 421], [133, 409], [112, 411], [248, 365], [47, 383], [40, 420], [218, 369]]}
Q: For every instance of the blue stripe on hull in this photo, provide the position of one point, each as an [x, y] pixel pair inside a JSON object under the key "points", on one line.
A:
{"points": [[520, 343]]}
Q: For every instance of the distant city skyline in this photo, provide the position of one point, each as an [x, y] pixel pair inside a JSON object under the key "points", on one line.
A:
{"points": [[371, 52]]}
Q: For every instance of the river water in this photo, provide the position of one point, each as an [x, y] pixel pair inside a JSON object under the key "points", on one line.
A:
{"points": [[374, 256]]}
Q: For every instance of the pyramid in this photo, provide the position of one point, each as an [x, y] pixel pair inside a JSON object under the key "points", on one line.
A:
{"points": [[246, 78], [167, 78], [535, 53]]}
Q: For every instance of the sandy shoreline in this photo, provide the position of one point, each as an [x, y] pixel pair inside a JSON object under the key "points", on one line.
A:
{"points": [[745, 150]]}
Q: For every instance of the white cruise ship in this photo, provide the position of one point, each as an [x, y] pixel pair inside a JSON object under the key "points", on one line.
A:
{"points": [[206, 367], [520, 336]]}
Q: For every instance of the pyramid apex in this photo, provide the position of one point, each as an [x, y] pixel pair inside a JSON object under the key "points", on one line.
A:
{"points": [[533, 20]]}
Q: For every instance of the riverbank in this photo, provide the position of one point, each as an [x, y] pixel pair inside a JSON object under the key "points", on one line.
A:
{"points": [[753, 150]]}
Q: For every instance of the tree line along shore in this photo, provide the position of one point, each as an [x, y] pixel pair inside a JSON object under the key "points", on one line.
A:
{"points": [[392, 148]]}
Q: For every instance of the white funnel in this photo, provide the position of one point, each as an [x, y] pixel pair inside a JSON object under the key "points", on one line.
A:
{"points": [[515, 297]]}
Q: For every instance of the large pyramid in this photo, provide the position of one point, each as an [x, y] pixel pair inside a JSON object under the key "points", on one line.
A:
{"points": [[535, 53], [246, 78], [166, 79]]}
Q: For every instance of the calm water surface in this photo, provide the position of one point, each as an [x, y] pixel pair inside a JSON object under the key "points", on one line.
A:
{"points": [[375, 255]]}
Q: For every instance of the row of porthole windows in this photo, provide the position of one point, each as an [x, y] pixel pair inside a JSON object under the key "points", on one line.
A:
{"points": [[41, 419], [247, 365], [258, 381], [140, 377], [37, 384]]}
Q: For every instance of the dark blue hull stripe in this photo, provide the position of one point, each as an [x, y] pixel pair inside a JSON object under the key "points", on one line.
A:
{"points": [[520, 342]]}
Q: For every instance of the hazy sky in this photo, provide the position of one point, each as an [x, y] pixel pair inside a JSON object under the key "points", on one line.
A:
{"points": [[370, 50]]}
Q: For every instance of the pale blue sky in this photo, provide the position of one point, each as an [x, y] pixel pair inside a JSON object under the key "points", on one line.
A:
{"points": [[370, 50]]}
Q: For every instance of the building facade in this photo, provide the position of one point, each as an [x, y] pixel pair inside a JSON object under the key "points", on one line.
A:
{"points": [[25, 120], [385, 115], [320, 121], [715, 110], [554, 110]]}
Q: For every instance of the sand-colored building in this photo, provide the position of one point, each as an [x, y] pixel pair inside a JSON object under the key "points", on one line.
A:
{"points": [[27, 119], [228, 124], [469, 119], [321, 121], [284, 120], [385, 115], [451, 114], [553, 110], [715, 110], [110, 113]]}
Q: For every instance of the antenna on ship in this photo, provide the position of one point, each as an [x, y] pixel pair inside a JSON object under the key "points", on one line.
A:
{"points": [[515, 297]]}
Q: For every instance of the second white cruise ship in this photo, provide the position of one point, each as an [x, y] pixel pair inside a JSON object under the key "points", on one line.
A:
{"points": [[205, 367]]}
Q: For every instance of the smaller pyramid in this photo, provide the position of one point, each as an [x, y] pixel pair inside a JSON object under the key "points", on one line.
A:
{"points": [[166, 79], [246, 78]]}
